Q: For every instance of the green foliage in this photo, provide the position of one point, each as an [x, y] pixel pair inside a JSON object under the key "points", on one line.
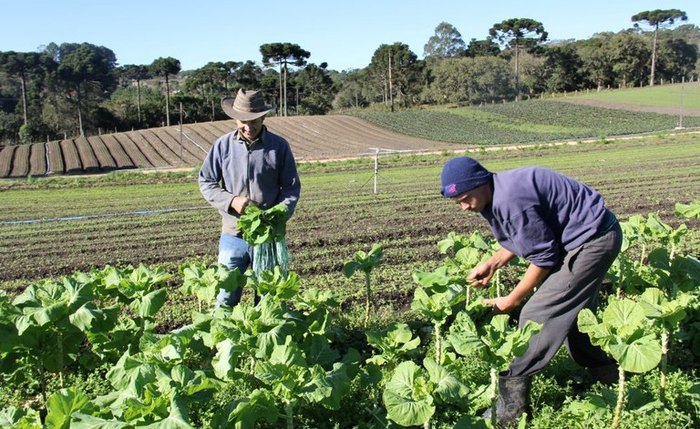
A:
{"points": [[413, 392], [263, 226], [496, 342], [265, 230], [690, 210], [204, 281], [392, 343], [624, 332]]}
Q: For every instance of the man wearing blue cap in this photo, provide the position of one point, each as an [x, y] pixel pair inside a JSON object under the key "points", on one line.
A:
{"points": [[563, 229]]}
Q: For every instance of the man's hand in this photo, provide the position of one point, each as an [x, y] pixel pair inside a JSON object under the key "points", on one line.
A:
{"points": [[481, 274], [503, 304], [240, 203]]}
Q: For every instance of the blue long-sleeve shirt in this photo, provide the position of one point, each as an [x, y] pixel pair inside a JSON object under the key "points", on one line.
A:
{"points": [[540, 214], [265, 172]]}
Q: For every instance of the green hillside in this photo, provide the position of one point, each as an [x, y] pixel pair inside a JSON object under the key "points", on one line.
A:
{"points": [[686, 94], [522, 122]]}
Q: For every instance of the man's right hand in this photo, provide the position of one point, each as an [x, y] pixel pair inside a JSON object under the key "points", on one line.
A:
{"points": [[240, 203]]}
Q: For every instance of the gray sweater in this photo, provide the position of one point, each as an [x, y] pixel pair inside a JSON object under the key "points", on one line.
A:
{"points": [[266, 173]]}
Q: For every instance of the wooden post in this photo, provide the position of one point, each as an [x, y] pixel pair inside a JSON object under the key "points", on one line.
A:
{"points": [[376, 168], [181, 131]]}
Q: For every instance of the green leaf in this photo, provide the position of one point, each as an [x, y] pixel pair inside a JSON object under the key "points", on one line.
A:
{"points": [[406, 398], [86, 421], [625, 315], [62, 404], [244, 413], [149, 305], [226, 359], [463, 335], [690, 210], [177, 419], [641, 354], [447, 386]]}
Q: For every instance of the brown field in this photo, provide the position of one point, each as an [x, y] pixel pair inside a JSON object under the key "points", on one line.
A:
{"points": [[312, 138]]}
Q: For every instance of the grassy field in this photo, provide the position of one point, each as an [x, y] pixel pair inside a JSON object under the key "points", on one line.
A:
{"points": [[672, 95]]}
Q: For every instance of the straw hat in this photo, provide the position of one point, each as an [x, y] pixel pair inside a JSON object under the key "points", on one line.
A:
{"points": [[247, 106]]}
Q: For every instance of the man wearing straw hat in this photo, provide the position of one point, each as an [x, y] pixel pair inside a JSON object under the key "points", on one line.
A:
{"points": [[250, 165]]}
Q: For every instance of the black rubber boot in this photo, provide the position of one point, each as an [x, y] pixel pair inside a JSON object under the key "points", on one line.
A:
{"points": [[606, 374], [513, 400]]}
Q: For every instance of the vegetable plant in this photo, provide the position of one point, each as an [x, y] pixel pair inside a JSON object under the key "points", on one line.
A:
{"points": [[667, 315], [292, 379], [365, 262], [411, 395], [204, 281], [50, 319], [496, 342], [625, 333], [690, 210], [392, 343], [438, 293]]}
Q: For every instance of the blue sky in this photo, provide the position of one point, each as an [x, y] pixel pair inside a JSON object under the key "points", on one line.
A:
{"points": [[343, 34]]}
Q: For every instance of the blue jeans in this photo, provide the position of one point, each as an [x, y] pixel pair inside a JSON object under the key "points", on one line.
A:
{"points": [[234, 252]]}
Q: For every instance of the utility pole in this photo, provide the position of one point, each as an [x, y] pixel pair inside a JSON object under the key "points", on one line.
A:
{"points": [[391, 92]]}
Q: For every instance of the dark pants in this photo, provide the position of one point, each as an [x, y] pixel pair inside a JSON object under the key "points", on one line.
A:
{"points": [[569, 288]]}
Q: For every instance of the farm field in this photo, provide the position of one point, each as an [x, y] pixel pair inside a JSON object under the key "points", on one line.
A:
{"points": [[153, 218], [344, 136], [55, 226], [311, 138]]}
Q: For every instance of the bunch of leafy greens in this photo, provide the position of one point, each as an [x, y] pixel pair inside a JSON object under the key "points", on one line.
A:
{"points": [[265, 230]]}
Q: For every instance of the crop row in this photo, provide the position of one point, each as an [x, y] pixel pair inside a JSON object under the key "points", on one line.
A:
{"points": [[524, 122]]}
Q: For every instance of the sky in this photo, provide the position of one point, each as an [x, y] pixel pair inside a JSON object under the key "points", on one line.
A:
{"points": [[343, 34]]}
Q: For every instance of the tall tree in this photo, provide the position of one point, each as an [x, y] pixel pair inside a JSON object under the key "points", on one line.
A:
{"points": [[316, 89], [676, 59], [447, 42], [517, 33], [137, 73], [630, 56], [472, 80], [249, 75], [166, 67], [88, 72], [596, 60], [210, 81], [482, 48], [283, 55], [658, 18], [560, 70], [396, 70], [24, 65]]}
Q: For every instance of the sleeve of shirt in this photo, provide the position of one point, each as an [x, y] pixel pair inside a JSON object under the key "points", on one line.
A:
{"points": [[534, 240], [290, 186], [210, 177]]}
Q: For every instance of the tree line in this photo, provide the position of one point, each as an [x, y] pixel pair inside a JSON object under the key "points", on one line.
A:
{"points": [[75, 89]]}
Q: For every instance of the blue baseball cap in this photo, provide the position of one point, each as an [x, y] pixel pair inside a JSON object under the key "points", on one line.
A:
{"points": [[462, 174]]}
